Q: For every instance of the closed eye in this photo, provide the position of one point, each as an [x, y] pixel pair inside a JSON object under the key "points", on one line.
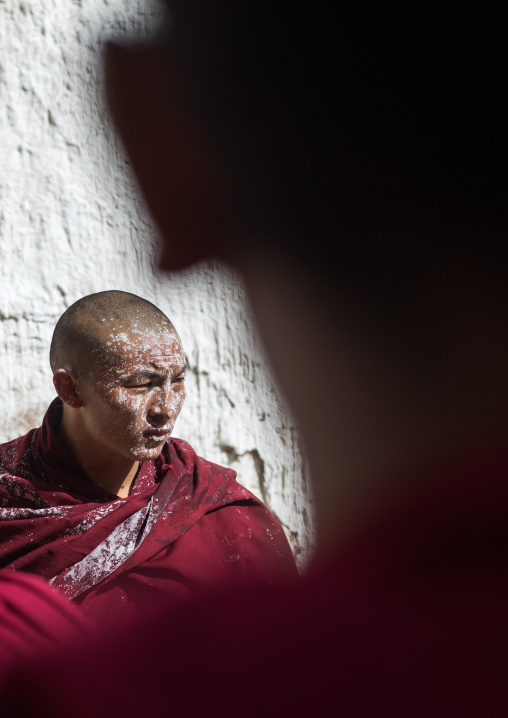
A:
{"points": [[181, 376], [145, 380]]}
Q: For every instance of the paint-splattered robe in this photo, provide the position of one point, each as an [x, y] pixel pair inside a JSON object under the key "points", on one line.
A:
{"points": [[186, 526], [407, 618]]}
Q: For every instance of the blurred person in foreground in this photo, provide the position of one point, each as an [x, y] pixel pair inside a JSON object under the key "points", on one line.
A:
{"points": [[102, 501], [35, 620], [352, 167]]}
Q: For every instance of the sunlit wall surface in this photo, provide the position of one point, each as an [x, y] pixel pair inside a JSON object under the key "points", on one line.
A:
{"points": [[72, 223]]}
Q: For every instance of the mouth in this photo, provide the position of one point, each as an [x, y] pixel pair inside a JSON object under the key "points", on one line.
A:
{"points": [[157, 434]]}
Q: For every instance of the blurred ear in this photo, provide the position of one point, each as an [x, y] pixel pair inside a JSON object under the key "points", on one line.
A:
{"points": [[65, 383], [166, 151]]}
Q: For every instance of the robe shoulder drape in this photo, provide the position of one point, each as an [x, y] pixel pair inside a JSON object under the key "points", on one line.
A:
{"points": [[406, 618], [186, 525], [34, 619]]}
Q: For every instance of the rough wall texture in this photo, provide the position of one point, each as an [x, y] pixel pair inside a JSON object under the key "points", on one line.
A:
{"points": [[71, 223]]}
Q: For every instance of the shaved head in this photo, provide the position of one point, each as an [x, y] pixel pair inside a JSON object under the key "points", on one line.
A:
{"points": [[92, 329]]}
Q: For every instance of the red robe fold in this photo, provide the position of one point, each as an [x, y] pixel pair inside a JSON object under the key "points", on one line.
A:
{"points": [[186, 525], [407, 619], [34, 619]]}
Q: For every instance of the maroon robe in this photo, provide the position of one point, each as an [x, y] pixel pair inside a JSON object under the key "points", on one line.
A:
{"points": [[186, 525], [408, 619], [34, 619]]}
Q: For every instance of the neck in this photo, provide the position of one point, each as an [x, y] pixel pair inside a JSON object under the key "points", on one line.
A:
{"points": [[112, 472], [382, 410]]}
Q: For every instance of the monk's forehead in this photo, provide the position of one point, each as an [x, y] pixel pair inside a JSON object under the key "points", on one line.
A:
{"points": [[118, 343], [138, 323]]}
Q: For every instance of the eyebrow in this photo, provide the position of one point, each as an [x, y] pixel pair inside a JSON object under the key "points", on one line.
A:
{"points": [[156, 374], [182, 371]]}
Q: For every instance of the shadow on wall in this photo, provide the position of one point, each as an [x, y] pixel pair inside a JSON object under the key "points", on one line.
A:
{"points": [[252, 469]]}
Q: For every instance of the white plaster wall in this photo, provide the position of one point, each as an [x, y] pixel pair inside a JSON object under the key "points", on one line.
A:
{"points": [[71, 223]]}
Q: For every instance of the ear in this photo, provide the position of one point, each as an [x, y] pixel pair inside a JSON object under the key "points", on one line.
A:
{"points": [[65, 383], [168, 153]]}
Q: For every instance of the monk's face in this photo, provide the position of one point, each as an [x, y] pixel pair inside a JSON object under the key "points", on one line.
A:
{"points": [[134, 396]]}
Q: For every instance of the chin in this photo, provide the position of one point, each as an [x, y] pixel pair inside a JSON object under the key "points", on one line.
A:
{"points": [[147, 454]]}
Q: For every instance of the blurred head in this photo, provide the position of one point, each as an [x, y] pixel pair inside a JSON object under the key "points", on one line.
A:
{"points": [[348, 159], [118, 363], [362, 142]]}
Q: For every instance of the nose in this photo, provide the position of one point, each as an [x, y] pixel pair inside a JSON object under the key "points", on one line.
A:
{"points": [[159, 411]]}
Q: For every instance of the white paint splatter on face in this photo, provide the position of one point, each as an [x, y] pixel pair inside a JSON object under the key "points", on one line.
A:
{"points": [[133, 401]]}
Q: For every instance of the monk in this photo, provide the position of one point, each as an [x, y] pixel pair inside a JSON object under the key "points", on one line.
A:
{"points": [[100, 501], [362, 163]]}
